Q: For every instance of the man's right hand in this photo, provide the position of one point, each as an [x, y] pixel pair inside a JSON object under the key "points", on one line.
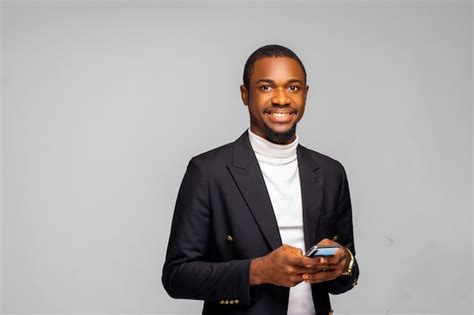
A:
{"points": [[282, 267]]}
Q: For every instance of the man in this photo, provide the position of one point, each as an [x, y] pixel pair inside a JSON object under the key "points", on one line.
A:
{"points": [[247, 211]]}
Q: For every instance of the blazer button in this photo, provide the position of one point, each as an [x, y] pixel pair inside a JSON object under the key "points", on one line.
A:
{"points": [[335, 238], [226, 302], [221, 302], [236, 301], [229, 238], [231, 301]]}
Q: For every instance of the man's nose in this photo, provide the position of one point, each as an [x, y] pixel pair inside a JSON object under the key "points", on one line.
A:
{"points": [[280, 97]]}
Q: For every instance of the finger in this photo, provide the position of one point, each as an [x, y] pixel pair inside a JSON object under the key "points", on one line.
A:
{"points": [[311, 262], [336, 266], [292, 255], [321, 276], [341, 252], [327, 242], [296, 279], [307, 264], [292, 270], [333, 260], [321, 260], [292, 249], [336, 258], [320, 263], [295, 260]]}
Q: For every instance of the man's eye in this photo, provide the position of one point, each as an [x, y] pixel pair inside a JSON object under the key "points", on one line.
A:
{"points": [[265, 87], [294, 88]]}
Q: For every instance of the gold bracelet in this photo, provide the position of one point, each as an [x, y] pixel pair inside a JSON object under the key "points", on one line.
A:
{"points": [[348, 272]]}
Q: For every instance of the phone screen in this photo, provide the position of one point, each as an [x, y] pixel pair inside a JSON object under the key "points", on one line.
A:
{"points": [[320, 250]]}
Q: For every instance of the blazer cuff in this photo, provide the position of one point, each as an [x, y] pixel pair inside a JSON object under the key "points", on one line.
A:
{"points": [[344, 283], [240, 282]]}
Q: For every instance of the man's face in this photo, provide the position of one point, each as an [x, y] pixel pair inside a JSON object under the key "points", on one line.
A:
{"points": [[275, 98]]}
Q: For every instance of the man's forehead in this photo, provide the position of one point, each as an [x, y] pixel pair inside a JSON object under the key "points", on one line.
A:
{"points": [[281, 67]]}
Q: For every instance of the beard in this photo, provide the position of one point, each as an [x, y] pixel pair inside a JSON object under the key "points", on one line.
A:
{"points": [[279, 137]]}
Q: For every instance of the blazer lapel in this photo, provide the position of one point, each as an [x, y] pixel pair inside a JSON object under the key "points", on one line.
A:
{"points": [[312, 189], [247, 175]]}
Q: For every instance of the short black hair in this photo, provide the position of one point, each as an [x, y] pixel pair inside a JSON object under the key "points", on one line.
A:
{"points": [[269, 51]]}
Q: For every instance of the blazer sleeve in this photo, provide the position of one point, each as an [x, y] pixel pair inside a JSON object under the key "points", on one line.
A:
{"points": [[187, 271], [345, 230]]}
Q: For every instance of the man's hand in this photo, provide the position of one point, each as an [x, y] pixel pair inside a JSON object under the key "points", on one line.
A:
{"points": [[285, 266], [329, 267]]}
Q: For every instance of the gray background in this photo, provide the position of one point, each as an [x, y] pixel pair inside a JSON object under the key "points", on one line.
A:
{"points": [[104, 103]]}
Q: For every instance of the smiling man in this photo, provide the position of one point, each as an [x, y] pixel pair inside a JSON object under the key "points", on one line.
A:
{"points": [[247, 211]]}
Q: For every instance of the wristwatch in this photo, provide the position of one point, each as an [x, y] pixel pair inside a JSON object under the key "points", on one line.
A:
{"points": [[350, 266]]}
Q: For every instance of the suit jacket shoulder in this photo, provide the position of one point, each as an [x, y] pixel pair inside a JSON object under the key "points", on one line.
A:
{"points": [[333, 170], [322, 159]]}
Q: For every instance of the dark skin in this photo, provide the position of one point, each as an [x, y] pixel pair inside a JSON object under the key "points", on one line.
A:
{"points": [[276, 96], [276, 100]]}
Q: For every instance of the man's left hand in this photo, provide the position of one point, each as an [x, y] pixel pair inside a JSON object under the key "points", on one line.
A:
{"points": [[330, 267]]}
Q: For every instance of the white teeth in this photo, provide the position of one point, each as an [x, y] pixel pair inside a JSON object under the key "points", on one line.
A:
{"points": [[280, 114]]}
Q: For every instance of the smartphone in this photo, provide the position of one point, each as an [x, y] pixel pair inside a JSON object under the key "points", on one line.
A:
{"points": [[322, 250]]}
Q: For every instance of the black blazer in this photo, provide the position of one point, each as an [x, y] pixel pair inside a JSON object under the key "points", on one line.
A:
{"points": [[224, 218]]}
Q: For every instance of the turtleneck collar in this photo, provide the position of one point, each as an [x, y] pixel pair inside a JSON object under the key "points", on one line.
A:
{"points": [[269, 149]]}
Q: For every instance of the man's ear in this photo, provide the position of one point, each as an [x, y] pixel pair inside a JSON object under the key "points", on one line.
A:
{"points": [[244, 93], [306, 92]]}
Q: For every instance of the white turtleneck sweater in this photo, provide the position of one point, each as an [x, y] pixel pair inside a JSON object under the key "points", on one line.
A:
{"points": [[279, 165]]}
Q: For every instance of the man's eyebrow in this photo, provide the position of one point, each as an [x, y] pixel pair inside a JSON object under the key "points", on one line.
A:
{"points": [[295, 81], [271, 81], [265, 80]]}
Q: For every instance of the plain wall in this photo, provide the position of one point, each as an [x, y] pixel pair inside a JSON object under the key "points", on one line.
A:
{"points": [[105, 102]]}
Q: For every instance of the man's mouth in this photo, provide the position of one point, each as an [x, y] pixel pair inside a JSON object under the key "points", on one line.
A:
{"points": [[281, 116]]}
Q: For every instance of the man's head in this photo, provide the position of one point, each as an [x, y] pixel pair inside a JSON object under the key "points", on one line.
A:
{"points": [[275, 92]]}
